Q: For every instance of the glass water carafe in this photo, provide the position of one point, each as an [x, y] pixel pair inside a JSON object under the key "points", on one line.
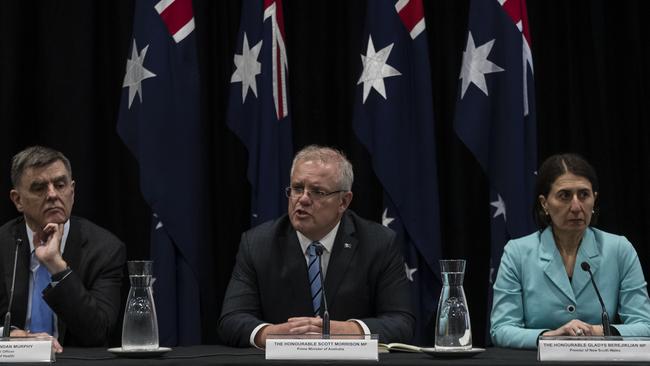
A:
{"points": [[140, 326], [453, 329]]}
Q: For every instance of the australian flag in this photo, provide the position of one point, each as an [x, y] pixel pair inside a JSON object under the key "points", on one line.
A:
{"points": [[258, 109], [495, 114], [393, 118], [159, 122]]}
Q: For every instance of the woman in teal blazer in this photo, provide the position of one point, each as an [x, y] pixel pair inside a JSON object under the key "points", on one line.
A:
{"points": [[540, 287]]}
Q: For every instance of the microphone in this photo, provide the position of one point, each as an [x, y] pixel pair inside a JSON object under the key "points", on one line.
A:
{"points": [[7, 324], [326, 314], [605, 318]]}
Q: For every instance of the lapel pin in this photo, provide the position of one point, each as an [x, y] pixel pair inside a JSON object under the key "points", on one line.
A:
{"points": [[347, 246]]}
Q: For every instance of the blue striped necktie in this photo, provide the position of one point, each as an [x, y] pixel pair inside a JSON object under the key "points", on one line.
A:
{"points": [[314, 277], [41, 317]]}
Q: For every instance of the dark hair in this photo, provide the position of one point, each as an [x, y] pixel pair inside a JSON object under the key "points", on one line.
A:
{"points": [[35, 157], [553, 167]]}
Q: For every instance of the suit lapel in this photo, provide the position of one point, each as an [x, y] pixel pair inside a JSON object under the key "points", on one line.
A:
{"points": [[554, 268], [295, 272], [345, 245], [72, 256], [73, 245], [588, 252]]}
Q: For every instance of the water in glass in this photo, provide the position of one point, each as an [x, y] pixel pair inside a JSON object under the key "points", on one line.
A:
{"points": [[453, 329], [140, 326]]}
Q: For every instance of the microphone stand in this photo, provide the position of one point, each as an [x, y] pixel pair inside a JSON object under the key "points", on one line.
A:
{"points": [[6, 330], [604, 316]]}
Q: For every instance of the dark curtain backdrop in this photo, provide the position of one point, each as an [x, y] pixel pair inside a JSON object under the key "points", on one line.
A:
{"points": [[62, 65]]}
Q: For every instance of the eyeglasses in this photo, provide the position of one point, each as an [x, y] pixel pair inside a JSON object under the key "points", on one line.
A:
{"points": [[297, 192]]}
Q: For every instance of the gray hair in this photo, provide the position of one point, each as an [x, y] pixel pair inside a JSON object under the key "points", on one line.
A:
{"points": [[327, 155], [35, 157]]}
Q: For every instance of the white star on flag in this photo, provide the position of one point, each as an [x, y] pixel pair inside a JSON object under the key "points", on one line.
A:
{"points": [[500, 207], [135, 73], [375, 69], [409, 271], [159, 224], [385, 220], [247, 68], [476, 65]]}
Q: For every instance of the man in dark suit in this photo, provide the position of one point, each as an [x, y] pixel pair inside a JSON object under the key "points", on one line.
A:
{"points": [[365, 284], [79, 264]]}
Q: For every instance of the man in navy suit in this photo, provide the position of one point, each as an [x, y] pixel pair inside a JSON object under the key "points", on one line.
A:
{"points": [[81, 263], [365, 284]]}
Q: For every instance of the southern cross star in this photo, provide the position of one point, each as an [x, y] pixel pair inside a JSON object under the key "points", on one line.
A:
{"points": [[385, 219], [409, 271], [500, 207]]}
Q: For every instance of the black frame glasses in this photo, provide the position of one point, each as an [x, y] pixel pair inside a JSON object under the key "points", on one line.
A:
{"points": [[297, 192]]}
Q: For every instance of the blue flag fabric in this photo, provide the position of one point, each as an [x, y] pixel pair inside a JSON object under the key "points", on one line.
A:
{"points": [[393, 118], [495, 114], [159, 122], [258, 110]]}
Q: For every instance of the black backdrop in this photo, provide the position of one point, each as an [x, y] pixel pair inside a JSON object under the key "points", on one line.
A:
{"points": [[62, 64]]}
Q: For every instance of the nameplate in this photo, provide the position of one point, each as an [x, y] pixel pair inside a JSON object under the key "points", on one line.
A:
{"points": [[26, 350], [605, 349], [363, 348]]}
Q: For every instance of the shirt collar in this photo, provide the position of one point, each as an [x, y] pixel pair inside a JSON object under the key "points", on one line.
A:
{"points": [[30, 236], [327, 240]]}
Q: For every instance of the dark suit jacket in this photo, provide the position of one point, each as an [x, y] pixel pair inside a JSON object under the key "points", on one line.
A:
{"points": [[87, 302], [365, 280]]}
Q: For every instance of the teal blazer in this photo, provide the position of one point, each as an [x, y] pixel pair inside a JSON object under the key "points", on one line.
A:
{"points": [[533, 293]]}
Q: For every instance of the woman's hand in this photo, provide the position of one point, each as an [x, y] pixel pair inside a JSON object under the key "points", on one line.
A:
{"points": [[576, 328]]}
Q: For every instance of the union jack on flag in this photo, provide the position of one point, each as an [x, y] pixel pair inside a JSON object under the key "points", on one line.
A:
{"points": [[279, 63], [177, 16]]}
